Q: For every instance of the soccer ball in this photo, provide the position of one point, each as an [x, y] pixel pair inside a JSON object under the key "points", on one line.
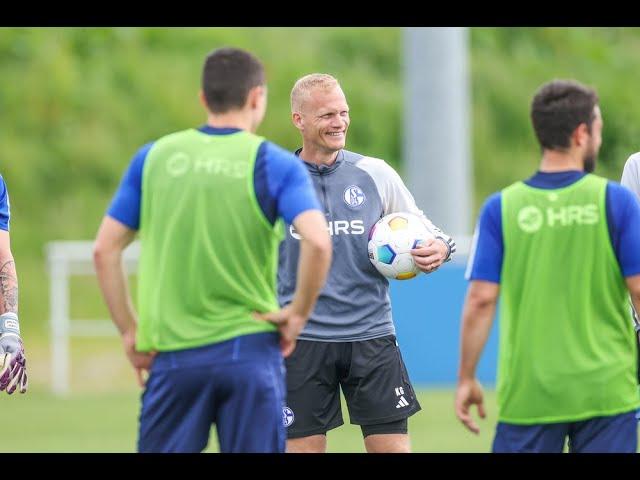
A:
{"points": [[390, 242]]}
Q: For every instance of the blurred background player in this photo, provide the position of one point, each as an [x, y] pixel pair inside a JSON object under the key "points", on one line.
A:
{"points": [[207, 203], [350, 340], [631, 180], [562, 250], [13, 369]]}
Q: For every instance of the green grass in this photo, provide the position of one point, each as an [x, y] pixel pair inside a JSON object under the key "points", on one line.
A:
{"points": [[107, 422], [41, 422], [101, 414], [434, 429]]}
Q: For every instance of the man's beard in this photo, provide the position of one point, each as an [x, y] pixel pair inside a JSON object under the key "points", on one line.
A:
{"points": [[589, 163], [590, 159]]}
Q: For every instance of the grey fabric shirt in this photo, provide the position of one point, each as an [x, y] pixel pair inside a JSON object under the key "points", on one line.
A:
{"points": [[631, 180], [355, 192], [631, 174]]}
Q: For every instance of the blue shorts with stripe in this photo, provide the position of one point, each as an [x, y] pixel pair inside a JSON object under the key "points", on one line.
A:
{"points": [[612, 434], [238, 385]]}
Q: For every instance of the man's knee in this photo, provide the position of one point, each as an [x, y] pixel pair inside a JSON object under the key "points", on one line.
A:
{"points": [[388, 443], [390, 437], [310, 444]]}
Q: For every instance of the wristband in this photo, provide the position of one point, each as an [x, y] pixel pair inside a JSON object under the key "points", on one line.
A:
{"points": [[9, 323]]}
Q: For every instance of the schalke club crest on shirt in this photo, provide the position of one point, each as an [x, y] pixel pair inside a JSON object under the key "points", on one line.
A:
{"points": [[354, 196], [287, 416]]}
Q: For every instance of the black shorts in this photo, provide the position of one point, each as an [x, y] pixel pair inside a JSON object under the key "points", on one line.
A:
{"points": [[371, 373]]}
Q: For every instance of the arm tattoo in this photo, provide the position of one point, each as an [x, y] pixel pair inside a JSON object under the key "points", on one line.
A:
{"points": [[9, 287]]}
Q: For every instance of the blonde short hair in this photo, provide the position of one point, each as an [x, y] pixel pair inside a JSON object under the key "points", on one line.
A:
{"points": [[303, 87]]}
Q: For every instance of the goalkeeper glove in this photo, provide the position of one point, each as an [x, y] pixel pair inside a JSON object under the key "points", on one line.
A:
{"points": [[13, 372]]}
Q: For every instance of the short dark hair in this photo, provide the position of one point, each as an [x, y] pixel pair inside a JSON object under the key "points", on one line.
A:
{"points": [[557, 109], [227, 77]]}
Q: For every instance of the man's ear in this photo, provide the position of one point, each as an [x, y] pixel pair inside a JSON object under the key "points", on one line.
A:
{"points": [[203, 99], [296, 119], [581, 135], [254, 97]]}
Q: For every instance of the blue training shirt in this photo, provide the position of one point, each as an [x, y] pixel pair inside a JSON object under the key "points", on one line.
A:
{"points": [[4, 206], [623, 221], [281, 182]]}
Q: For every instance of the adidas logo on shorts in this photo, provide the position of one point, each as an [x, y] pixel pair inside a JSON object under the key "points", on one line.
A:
{"points": [[400, 393]]}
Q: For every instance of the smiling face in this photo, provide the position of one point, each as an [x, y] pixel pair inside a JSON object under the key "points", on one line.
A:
{"points": [[323, 119]]}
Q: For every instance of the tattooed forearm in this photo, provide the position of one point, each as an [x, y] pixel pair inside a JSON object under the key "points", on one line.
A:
{"points": [[8, 288]]}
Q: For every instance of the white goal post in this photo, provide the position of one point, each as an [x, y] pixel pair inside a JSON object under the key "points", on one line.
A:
{"points": [[66, 258]]}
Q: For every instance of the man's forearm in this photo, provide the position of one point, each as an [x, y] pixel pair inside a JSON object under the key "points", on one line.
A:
{"points": [[115, 288], [477, 319], [313, 266], [8, 284]]}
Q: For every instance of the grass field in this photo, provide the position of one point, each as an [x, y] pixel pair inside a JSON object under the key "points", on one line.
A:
{"points": [[106, 422], [101, 413]]}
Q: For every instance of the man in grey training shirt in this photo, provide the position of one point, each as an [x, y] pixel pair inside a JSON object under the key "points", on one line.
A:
{"points": [[631, 180], [349, 341]]}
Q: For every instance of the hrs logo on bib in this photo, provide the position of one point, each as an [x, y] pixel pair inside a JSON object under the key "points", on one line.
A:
{"points": [[530, 219]]}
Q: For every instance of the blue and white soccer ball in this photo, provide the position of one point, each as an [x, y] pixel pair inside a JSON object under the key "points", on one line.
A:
{"points": [[390, 242]]}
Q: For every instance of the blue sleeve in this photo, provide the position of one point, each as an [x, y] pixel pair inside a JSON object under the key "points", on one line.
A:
{"points": [[125, 206], [623, 219], [487, 247], [4, 206], [282, 184]]}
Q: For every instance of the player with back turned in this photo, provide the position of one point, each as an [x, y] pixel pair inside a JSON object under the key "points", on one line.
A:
{"points": [[208, 203], [560, 249]]}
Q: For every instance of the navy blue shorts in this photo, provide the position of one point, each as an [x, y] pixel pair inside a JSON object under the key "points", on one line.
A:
{"points": [[614, 434], [238, 384]]}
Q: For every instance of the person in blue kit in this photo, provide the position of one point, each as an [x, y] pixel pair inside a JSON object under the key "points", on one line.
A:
{"points": [[13, 364], [209, 204], [561, 248]]}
